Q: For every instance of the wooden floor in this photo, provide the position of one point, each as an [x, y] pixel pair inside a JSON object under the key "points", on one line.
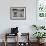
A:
{"points": [[13, 44]]}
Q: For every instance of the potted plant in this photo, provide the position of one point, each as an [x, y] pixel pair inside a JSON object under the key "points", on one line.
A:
{"points": [[39, 35]]}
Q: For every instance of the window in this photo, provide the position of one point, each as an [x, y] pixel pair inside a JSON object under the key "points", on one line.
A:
{"points": [[41, 8]]}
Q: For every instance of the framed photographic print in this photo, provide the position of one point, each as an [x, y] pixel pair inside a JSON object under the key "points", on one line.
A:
{"points": [[17, 13]]}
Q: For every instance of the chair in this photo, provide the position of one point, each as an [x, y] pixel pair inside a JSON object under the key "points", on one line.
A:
{"points": [[25, 37], [7, 35], [14, 32]]}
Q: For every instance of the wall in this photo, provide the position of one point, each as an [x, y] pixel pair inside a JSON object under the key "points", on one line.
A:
{"points": [[24, 25]]}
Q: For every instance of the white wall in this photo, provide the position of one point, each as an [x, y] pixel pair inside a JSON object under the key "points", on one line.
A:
{"points": [[24, 25]]}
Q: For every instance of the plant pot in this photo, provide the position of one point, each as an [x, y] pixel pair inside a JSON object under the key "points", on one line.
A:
{"points": [[40, 40]]}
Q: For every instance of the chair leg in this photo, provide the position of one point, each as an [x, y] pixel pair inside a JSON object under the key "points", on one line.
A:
{"points": [[5, 43], [5, 39]]}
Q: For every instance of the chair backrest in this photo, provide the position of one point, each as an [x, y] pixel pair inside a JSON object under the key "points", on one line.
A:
{"points": [[14, 30], [24, 37]]}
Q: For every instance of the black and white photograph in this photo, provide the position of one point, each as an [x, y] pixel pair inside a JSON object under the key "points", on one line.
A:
{"points": [[17, 13]]}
